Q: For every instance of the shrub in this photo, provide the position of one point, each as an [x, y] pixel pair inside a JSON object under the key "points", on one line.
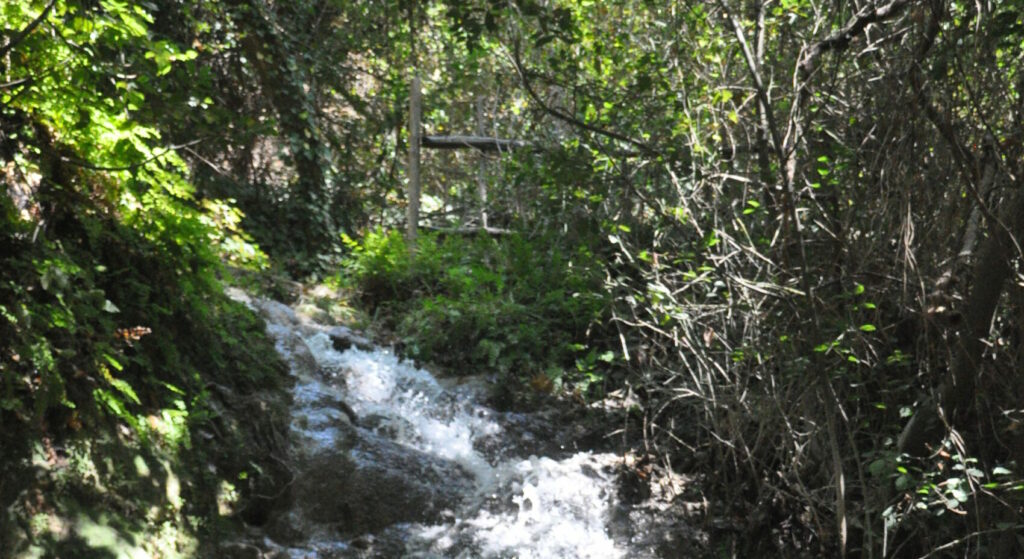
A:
{"points": [[518, 306]]}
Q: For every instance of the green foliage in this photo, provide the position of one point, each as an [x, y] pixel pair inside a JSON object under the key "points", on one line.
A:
{"points": [[509, 304], [112, 315], [765, 264], [108, 336]]}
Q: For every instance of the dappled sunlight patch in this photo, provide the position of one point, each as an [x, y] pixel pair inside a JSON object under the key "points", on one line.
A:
{"points": [[227, 498], [172, 487], [99, 535], [234, 245]]}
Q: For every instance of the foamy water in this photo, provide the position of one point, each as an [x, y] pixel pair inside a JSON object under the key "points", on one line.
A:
{"points": [[523, 506]]}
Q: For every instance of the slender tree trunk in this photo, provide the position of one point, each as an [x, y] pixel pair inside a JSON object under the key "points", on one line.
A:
{"points": [[990, 273]]}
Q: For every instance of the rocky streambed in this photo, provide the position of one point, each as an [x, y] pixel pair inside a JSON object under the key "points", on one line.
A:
{"points": [[390, 461]]}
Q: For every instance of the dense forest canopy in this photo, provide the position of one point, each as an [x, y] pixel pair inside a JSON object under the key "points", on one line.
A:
{"points": [[791, 231]]}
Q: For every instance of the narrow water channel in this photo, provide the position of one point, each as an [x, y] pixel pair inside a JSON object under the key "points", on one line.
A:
{"points": [[391, 461]]}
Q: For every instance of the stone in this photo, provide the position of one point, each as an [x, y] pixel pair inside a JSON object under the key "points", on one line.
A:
{"points": [[238, 550], [300, 357], [275, 312], [375, 484], [344, 338]]}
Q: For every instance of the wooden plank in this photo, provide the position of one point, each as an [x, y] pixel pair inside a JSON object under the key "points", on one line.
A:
{"points": [[482, 143], [494, 231], [481, 165]]}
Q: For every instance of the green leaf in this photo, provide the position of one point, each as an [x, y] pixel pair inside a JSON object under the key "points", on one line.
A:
{"points": [[113, 362], [125, 388], [173, 388], [878, 467], [867, 328]]}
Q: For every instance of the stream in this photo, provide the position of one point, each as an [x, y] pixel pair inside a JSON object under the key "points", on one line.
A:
{"points": [[391, 461]]}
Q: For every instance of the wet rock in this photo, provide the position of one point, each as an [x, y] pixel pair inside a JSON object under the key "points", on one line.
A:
{"points": [[238, 550], [376, 484], [275, 312], [321, 429], [363, 542], [238, 295], [348, 411], [289, 528], [386, 426], [524, 435], [344, 338], [300, 358], [331, 400], [313, 313]]}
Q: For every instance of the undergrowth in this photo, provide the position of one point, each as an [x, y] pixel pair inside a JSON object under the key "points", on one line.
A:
{"points": [[526, 309], [124, 368]]}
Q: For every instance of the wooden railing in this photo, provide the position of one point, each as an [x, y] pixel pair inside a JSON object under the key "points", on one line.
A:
{"points": [[418, 140]]}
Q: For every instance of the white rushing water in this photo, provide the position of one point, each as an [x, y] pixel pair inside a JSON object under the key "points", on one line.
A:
{"points": [[516, 506]]}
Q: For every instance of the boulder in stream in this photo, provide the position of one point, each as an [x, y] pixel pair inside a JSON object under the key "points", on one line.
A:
{"points": [[375, 484], [344, 338]]}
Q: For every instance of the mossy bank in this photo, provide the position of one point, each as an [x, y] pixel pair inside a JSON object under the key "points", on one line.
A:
{"points": [[143, 412]]}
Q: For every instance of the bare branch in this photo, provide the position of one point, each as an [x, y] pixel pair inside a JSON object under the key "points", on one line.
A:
{"points": [[92, 166], [841, 39], [561, 115]]}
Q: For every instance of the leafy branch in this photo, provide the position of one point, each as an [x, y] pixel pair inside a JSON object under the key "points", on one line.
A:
{"points": [[28, 29]]}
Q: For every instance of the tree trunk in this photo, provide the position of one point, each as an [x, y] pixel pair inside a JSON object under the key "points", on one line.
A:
{"points": [[990, 273]]}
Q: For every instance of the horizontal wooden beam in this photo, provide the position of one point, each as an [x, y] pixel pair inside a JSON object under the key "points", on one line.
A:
{"points": [[495, 231], [482, 143]]}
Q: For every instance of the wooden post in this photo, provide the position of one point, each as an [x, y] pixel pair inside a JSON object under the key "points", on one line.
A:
{"points": [[413, 187], [481, 177]]}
